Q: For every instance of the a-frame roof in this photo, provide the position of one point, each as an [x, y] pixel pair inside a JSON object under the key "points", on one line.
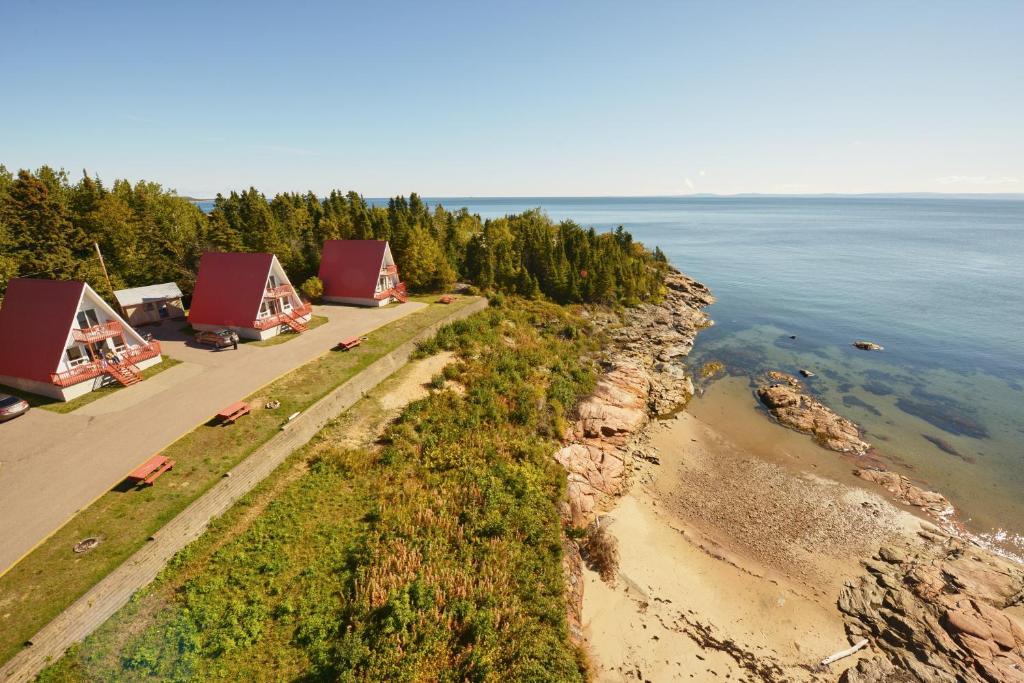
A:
{"points": [[35, 322], [229, 289], [350, 268]]}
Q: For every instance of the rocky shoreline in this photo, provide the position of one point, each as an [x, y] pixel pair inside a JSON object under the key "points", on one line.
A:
{"points": [[645, 375], [933, 607], [936, 613]]}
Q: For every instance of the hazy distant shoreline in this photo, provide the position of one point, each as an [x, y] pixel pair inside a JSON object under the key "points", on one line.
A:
{"points": [[1019, 196]]}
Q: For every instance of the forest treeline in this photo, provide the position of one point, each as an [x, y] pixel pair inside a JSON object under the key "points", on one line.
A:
{"points": [[149, 234]]}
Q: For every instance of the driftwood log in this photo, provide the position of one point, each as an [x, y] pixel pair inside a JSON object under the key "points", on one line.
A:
{"points": [[843, 653]]}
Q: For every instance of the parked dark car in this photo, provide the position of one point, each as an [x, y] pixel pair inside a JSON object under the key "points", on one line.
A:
{"points": [[11, 407], [218, 339]]}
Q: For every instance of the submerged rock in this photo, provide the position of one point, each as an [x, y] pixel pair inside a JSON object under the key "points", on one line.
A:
{"points": [[877, 388], [851, 401], [868, 345], [806, 373], [942, 413], [788, 404], [946, 447], [712, 368]]}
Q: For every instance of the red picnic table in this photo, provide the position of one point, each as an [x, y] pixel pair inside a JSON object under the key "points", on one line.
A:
{"points": [[350, 343], [233, 412], [446, 299], [147, 472]]}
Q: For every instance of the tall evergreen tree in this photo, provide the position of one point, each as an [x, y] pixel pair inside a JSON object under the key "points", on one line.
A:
{"points": [[45, 242]]}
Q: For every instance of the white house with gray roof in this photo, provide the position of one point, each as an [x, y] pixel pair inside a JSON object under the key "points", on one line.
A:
{"points": [[151, 304]]}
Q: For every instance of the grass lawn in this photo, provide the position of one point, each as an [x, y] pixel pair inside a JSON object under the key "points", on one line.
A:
{"points": [[53, 405], [51, 577], [314, 322]]}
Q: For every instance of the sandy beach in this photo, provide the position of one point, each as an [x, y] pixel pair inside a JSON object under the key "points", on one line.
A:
{"points": [[733, 551]]}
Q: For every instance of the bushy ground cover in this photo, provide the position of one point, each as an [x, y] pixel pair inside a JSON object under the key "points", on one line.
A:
{"points": [[434, 555]]}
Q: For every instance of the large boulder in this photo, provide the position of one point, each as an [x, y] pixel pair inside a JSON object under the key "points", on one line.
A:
{"points": [[786, 401]]}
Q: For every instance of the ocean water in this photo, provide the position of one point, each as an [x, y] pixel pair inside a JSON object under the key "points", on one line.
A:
{"points": [[939, 282]]}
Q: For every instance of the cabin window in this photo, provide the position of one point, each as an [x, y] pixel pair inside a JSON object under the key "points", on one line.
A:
{"points": [[164, 311], [286, 304], [272, 282], [75, 356], [149, 307], [264, 311], [118, 343], [87, 318]]}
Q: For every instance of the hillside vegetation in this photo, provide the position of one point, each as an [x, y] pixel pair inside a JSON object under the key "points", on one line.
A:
{"points": [[433, 556], [149, 234]]}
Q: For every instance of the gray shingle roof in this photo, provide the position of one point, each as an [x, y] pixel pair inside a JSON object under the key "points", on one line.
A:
{"points": [[138, 295]]}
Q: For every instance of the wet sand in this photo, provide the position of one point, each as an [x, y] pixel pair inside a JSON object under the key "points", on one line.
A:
{"points": [[733, 550]]}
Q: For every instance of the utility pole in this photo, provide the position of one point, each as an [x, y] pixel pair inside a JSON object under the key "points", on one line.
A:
{"points": [[103, 265]]}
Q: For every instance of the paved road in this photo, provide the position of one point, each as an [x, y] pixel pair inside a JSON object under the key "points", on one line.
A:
{"points": [[52, 465]]}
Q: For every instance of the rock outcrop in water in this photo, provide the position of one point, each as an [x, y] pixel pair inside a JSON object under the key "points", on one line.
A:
{"points": [[786, 401], [938, 614], [907, 493]]}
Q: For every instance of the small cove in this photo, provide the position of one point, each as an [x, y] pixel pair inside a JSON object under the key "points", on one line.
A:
{"points": [[937, 281]]}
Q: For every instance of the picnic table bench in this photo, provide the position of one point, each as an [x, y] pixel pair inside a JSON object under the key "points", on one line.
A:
{"points": [[147, 472], [233, 412], [350, 343]]}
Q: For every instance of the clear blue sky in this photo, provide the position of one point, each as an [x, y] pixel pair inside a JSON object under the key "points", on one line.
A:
{"points": [[542, 98]]}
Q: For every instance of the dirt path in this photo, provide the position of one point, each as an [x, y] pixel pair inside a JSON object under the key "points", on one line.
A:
{"points": [[114, 591], [367, 419]]}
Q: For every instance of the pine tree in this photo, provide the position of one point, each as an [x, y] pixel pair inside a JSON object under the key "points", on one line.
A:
{"points": [[221, 235], [45, 242]]}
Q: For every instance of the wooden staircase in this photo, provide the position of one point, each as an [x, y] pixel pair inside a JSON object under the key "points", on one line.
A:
{"points": [[126, 374], [294, 323], [400, 293]]}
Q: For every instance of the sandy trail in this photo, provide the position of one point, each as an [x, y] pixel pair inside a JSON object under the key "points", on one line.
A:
{"points": [[367, 419]]}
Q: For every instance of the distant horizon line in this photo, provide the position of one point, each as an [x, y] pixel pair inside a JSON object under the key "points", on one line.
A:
{"points": [[704, 195]]}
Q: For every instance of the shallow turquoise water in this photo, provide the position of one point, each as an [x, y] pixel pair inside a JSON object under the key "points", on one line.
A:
{"points": [[938, 282]]}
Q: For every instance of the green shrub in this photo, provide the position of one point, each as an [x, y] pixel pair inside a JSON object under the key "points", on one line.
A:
{"points": [[313, 288]]}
